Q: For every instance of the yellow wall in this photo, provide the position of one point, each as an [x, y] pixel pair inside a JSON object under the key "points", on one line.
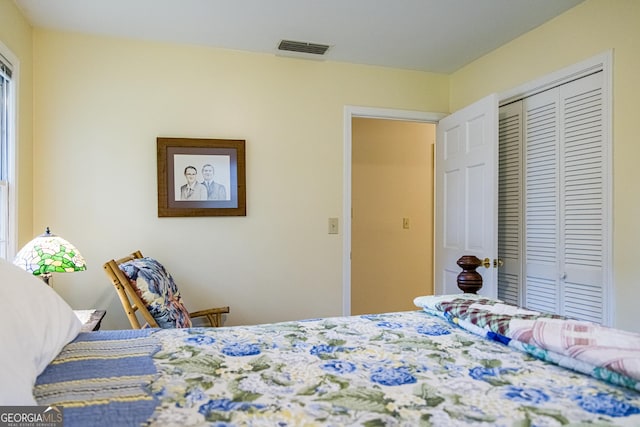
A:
{"points": [[392, 179], [101, 102], [16, 35], [584, 31]]}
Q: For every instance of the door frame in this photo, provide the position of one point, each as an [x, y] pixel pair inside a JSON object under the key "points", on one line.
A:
{"points": [[350, 112]]}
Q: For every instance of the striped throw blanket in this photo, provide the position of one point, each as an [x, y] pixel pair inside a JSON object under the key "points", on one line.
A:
{"points": [[102, 375]]}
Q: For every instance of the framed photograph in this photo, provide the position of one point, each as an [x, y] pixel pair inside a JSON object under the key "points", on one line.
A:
{"points": [[201, 177]]}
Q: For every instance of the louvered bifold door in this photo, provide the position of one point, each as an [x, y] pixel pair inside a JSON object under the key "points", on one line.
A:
{"points": [[542, 202], [510, 202], [583, 198]]}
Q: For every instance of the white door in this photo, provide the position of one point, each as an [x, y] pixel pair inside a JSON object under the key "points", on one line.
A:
{"points": [[566, 200], [466, 167]]}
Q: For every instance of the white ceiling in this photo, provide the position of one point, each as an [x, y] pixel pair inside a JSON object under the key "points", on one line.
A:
{"points": [[428, 35]]}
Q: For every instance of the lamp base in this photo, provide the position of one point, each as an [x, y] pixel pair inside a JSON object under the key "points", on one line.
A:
{"points": [[45, 278]]}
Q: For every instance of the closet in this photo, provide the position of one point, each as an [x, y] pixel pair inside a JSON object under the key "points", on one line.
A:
{"points": [[553, 200]]}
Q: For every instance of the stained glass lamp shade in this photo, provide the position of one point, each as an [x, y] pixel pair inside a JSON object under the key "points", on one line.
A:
{"points": [[49, 253]]}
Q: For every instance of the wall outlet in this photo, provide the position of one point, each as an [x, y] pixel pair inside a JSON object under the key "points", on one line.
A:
{"points": [[405, 223]]}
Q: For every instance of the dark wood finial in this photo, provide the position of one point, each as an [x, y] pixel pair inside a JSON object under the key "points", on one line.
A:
{"points": [[469, 281]]}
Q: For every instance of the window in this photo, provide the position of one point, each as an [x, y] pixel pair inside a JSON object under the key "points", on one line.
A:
{"points": [[7, 162]]}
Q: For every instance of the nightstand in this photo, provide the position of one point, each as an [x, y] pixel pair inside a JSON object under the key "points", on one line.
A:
{"points": [[90, 319]]}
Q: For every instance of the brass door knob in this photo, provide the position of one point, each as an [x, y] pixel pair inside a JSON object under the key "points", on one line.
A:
{"points": [[486, 263]]}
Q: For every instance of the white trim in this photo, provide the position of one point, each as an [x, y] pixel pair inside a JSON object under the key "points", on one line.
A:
{"points": [[607, 87], [374, 113], [13, 150], [596, 63]]}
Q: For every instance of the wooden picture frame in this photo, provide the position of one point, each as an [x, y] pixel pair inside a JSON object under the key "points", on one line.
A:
{"points": [[183, 166]]}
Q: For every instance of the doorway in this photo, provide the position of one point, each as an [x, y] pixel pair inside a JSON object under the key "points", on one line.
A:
{"points": [[395, 268], [392, 214]]}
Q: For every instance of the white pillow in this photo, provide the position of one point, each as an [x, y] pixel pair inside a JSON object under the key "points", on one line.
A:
{"points": [[35, 323]]}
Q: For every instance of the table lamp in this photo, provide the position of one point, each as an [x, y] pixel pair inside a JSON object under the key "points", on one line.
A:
{"points": [[49, 253]]}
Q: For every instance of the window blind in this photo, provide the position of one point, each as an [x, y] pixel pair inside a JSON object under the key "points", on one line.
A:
{"points": [[5, 67], [6, 73]]}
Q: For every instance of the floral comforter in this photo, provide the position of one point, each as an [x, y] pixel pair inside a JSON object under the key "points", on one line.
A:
{"points": [[395, 369], [406, 369]]}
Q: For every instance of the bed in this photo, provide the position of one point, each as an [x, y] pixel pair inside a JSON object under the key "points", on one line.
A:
{"points": [[455, 360]]}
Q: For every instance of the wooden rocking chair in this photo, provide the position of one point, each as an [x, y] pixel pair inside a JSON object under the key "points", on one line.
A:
{"points": [[131, 302]]}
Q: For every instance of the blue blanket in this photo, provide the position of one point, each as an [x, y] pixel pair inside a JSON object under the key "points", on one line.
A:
{"points": [[93, 369]]}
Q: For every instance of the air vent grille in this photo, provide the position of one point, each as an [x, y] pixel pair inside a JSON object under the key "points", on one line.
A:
{"points": [[303, 47]]}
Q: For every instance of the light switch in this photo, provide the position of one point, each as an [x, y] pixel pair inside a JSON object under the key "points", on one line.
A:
{"points": [[333, 225], [405, 223]]}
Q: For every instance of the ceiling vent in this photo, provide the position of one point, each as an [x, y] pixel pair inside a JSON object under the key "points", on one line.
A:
{"points": [[302, 47]]}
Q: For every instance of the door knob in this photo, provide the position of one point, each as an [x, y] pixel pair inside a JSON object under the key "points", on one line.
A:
{"points": [[486, 263]]}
